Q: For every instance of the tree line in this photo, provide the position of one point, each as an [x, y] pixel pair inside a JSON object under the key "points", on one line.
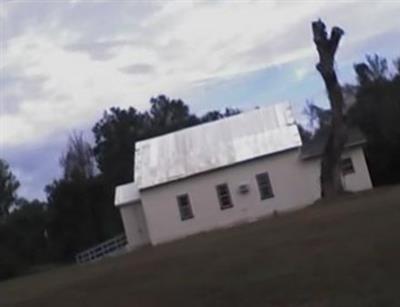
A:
{"points": [[79, 211]]}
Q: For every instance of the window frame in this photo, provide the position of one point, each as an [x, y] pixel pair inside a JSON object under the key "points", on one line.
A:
{"points": [[223, 198], [347, 169], [181, 200], [264, 184]]}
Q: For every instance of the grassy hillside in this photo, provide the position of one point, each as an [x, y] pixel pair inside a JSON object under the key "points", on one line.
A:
{"points": [[343, 253]]}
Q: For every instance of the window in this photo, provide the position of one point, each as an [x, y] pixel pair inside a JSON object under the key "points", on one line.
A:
{"points": [[224, 196], [347, 166], [264, 186], [185, 209]]}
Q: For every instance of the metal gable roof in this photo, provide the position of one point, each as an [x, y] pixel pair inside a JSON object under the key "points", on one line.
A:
{"points": [[213, 145], [315, 147]]}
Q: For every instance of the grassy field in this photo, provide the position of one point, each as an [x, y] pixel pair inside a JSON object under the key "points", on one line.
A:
{"points": [[343, 253]]}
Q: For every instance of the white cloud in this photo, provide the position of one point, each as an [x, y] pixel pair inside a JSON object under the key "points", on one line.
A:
{"points": [[76, 88], [179, 43]]}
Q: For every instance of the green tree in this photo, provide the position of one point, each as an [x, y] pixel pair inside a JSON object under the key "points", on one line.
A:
{"points": [[375, 69], [115, 136], [168, 115], [29, 222], [81, 215], [216, 115], [23, 241], [377, 113], [8, 188]]}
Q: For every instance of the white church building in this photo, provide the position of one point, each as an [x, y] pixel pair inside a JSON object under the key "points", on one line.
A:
{"points": [[234, 170]]}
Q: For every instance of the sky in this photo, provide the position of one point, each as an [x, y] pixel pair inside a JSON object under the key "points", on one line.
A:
{"points": [[63, 63]]}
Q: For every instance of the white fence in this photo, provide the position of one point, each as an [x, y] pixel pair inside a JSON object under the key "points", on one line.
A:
{"points": [[103, 249]]}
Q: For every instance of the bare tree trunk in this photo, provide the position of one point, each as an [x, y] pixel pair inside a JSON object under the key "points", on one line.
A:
{"points": [[331, 183]]}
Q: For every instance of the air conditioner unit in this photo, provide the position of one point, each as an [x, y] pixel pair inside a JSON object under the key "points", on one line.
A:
{"points": [[243, 188]]}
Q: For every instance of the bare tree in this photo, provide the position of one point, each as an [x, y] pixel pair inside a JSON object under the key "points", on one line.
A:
{"points": [[8, 188], [331, 183], [396, 64], [78, 161]]}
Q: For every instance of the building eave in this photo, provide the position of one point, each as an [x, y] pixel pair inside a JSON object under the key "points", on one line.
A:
{"points": [[126, 194]]}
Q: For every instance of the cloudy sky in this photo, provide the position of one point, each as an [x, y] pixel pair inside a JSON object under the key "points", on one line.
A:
{"points": [[64, 62]]}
